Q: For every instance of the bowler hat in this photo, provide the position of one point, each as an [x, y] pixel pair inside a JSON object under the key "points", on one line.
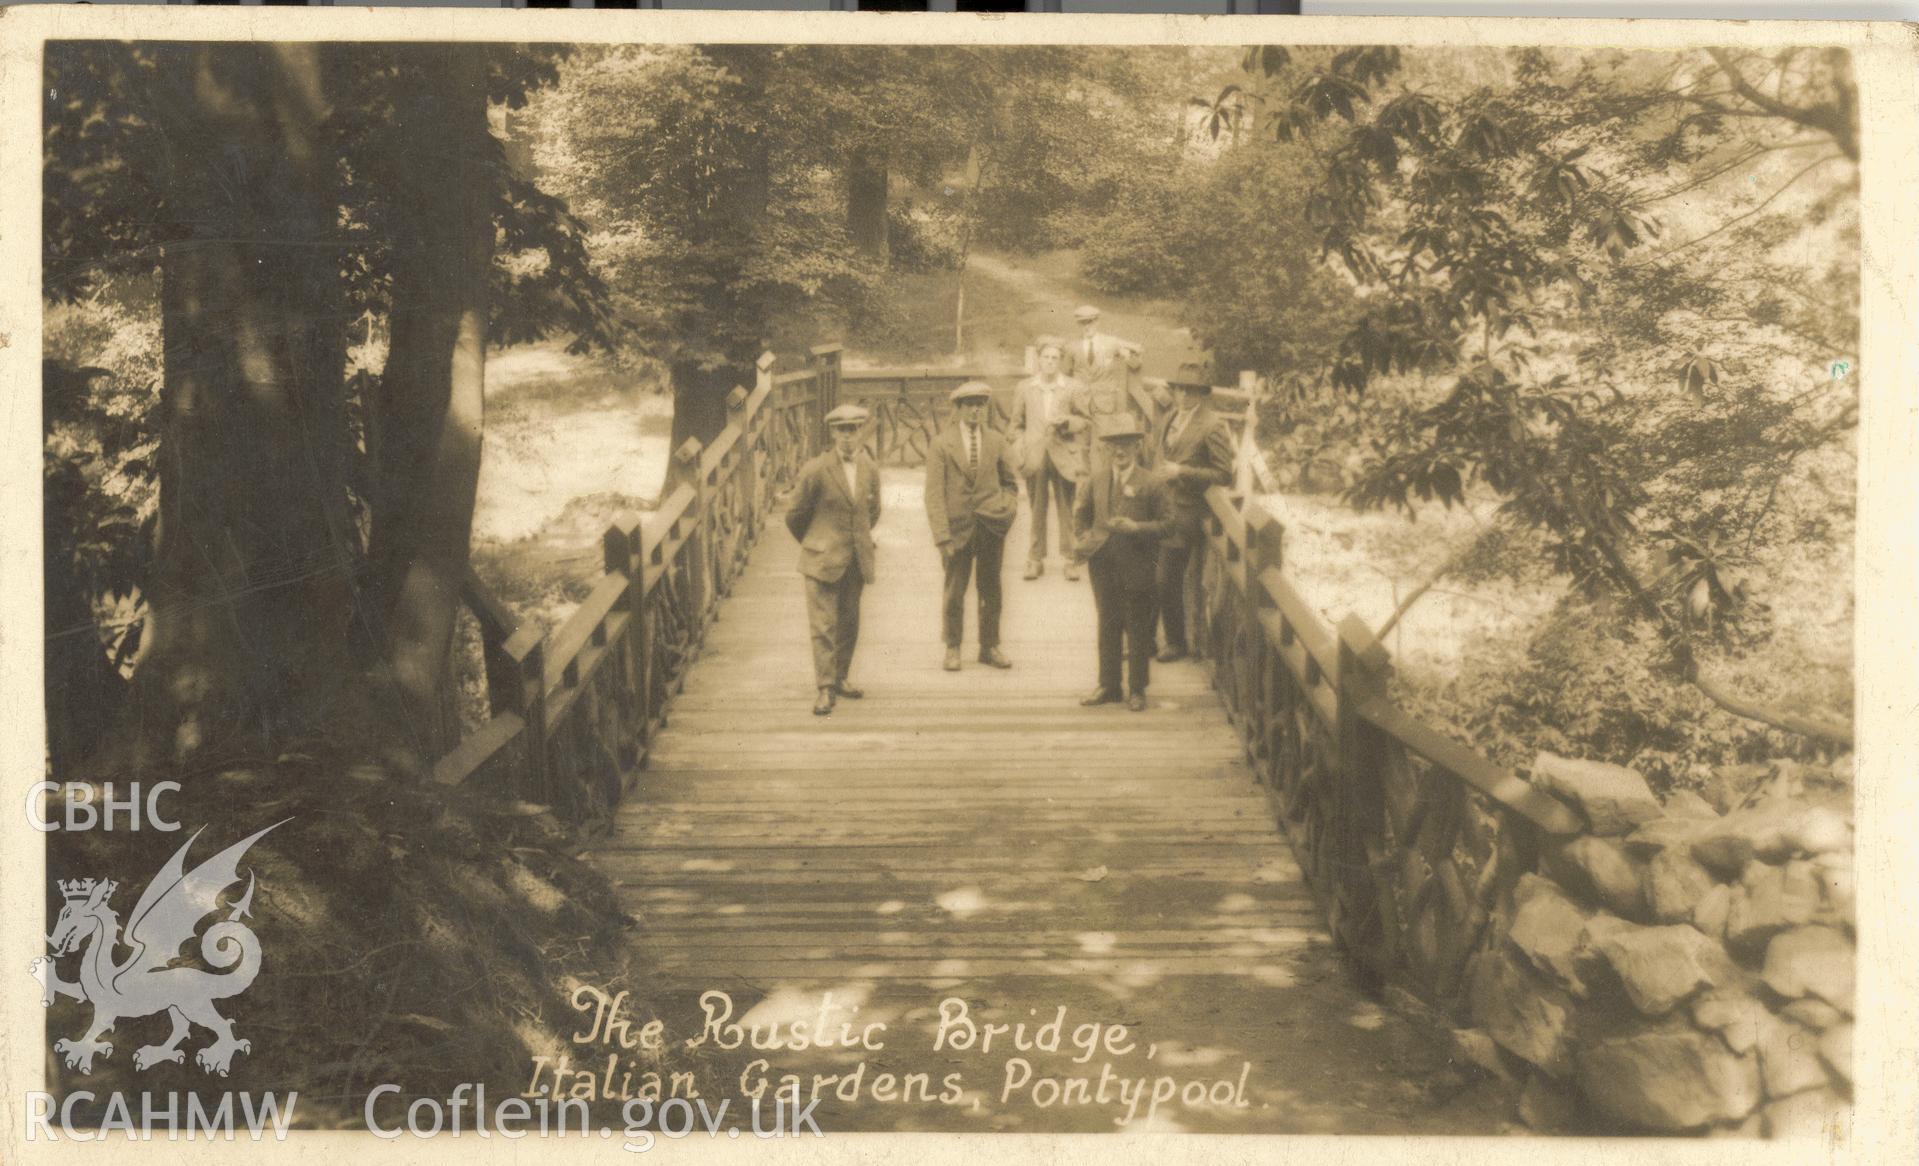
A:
{"points": [[1122, 428], [971, 391], [1200, 387], [847, 416]]}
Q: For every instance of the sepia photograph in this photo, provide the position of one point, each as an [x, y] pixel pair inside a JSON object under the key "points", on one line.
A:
{"points": [[653, 589]]}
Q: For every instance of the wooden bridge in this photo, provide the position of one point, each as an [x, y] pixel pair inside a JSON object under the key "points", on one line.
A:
{"points": [[1238, 875]]}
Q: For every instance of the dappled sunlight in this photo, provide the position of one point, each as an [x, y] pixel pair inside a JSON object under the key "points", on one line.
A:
{"points": [[962, 902], [1097, 942]]}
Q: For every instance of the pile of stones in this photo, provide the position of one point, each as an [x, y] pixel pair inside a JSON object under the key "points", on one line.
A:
{"points": [[1680, 967]]}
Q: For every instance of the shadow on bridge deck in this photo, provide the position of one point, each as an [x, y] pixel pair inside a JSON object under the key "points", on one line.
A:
{"points": [[979, 837]]}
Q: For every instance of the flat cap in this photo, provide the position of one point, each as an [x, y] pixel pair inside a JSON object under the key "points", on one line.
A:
{"points": [[1086, 312], [971, 391], [847, 415]]}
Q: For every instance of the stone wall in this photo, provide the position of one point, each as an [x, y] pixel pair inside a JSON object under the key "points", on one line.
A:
{"points": [[1680, 967]]}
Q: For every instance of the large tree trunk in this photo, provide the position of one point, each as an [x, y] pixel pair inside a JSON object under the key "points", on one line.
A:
{"points": [[252, 577], [699, 402], [866, 180], [427, 419]]}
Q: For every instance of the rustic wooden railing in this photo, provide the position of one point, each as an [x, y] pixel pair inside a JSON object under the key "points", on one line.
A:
{"points": [[572, 713], [1407, 837]]}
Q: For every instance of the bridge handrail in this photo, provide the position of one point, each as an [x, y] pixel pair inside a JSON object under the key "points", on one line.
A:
{"points": [[1406, 836], [572, 713]]}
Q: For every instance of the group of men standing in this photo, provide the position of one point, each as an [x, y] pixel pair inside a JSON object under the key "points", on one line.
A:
{"points": [[1121, 468]]}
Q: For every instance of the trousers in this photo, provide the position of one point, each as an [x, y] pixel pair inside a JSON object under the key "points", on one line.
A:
{"points": [[833, 615], [1050, 488], [1174, 580], [978, 562], [1125, 627]]}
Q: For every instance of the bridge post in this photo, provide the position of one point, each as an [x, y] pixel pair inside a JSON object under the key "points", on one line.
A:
{"points": [[824, 359], [699, 533], [1248, 434], [748, 467], [622, 545], [1361, 798]]}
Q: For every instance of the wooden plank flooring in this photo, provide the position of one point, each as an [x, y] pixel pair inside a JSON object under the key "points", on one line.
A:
{"points": [[980, 837]]}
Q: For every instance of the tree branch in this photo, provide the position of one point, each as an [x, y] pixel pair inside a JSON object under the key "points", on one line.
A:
{"points": [[1829, 119]]}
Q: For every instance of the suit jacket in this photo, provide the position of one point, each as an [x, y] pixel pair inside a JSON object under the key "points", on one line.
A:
{"points": [[1134, 554], [1099, 404], [1109, 363], [835, 526], [960, 499], [1205, 444], [1040, 438]]}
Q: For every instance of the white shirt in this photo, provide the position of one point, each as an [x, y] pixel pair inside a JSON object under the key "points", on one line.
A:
{"points": [[1179, 424], [852, 468]]}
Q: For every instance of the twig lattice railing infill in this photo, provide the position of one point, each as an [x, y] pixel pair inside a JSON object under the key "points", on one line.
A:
{"points": [[1407, 837], [572, 713]]}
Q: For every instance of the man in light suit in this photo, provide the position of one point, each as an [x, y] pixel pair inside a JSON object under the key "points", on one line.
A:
{"points": [[1120, 517], [1196, 454], [972, 493], [836, 502], [1109, 368], [1052, 441]]}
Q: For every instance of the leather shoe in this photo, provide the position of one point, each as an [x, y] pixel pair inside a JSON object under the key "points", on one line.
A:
{"points": [[1137, 702], [994, 658], [1171, 655], [952, 660], [1100, 696], [1072, 573], [1033, 570], [824, 704], [847, 691]]}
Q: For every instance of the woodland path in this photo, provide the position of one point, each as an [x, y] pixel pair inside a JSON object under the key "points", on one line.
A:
{"points": [[980, 837]]}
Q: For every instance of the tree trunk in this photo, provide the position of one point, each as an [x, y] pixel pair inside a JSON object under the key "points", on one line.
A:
{"points": [[251, 584], [699, 400], [428, 415], [866, 205]]}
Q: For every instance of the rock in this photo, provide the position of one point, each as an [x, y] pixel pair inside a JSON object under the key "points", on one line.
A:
{"points": [[1771, 831], [1547, 1106], [1833, 872], [1663, 834], [1684, 803], [1835, 1048], [1788, 1058], [1596, 867], [1527, 1016], [1661, 966], [1709, 914], [1813, 1013], [1547, 927], [1816, 1113], [1771, 899], [1730, 784], [1669, 1079], [1613, 798], [1674, 885], [1811, 961], [1735, 1015], [1820, 829], [1472, 1046]]}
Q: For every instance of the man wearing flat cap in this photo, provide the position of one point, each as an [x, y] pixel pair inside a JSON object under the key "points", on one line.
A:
{"points": [[972, 493], [1196, 454], [835, 504], [1052, 452], [1121, 515]]}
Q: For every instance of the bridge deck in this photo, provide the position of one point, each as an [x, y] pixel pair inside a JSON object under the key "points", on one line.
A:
{"points": [[979, 835]]}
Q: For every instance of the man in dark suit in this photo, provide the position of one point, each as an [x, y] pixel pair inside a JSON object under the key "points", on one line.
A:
{"points": [[1196, 453], [1120, 517], [836, 502], [972, 493]]}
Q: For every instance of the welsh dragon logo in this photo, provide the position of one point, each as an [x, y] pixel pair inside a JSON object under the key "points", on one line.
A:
{"points": [[148, 980]]}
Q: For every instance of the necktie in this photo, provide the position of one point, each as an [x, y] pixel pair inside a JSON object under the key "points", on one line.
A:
{"points": [[972, 447], [1089, 352]]}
